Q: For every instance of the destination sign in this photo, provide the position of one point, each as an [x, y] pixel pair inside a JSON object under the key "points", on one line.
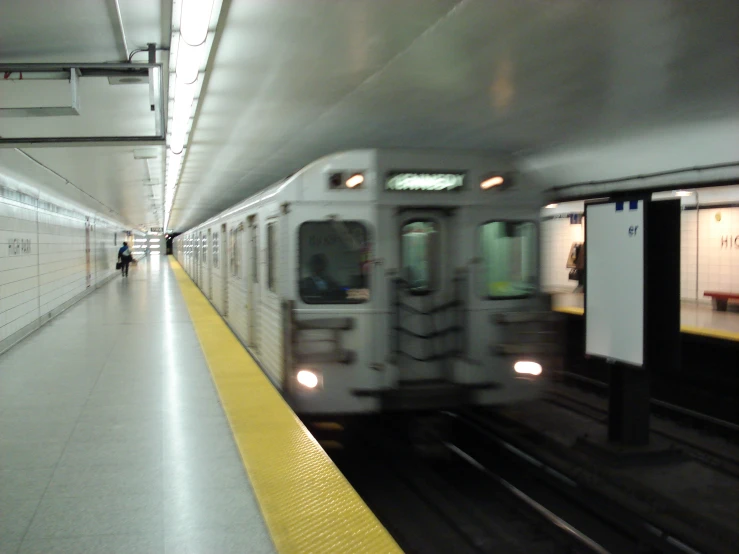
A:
{"points": [[424, 182]]}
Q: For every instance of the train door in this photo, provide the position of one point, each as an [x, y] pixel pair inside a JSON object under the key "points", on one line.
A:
{"points": [[88, 261], [209, 248], [225, 268], [198, 259], [425, 297], [204, 261], [195, 245], [252, 302]]}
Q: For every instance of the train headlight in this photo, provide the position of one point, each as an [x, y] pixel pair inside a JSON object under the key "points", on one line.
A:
{"points": [[355, 180], [491, 182], [307, 378], [527, 368]]}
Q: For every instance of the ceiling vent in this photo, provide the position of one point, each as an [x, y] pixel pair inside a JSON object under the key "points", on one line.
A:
{"points": [[128, 80]]}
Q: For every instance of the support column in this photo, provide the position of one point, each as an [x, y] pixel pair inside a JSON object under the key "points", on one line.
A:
{"points": [[628, 405]]}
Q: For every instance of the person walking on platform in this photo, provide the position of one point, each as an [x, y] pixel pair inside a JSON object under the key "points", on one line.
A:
{"points": [[125, 257]]}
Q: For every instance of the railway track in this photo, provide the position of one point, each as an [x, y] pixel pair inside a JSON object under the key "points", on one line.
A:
{"points": [[609, 524], [493, 486], [726, 429], [459, 501], [670, 424]]}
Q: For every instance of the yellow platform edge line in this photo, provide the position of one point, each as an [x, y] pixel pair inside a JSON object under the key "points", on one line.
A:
{"points": [[569, 310], [689, 329], [307, 504], [707, 332]]}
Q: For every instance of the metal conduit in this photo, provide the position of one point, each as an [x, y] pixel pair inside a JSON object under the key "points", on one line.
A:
{"points": [[123, 31]]}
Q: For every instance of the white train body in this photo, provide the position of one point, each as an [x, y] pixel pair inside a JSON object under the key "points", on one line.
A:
{"points": [[384, 299]]}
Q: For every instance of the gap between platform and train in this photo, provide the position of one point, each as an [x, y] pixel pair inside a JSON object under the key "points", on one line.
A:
{"points": [[306, 502]]}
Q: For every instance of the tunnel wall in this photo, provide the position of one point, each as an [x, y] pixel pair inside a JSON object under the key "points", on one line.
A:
{"points": [[44, 262]]}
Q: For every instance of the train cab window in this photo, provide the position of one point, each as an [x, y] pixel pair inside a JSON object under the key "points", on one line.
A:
{"points": [[271, 256], [420, 246], [216, 249], [334, 262], [508, 259]]}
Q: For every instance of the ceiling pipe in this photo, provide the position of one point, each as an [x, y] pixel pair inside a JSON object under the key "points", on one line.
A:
{"points": [[123, 31], [37, 75]]}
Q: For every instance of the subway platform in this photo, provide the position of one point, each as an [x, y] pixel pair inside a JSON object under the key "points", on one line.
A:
{"points": [[135, 422]]}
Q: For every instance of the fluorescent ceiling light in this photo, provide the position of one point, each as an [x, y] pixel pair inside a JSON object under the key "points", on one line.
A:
{"points": [[550, 206], [183, 99], [195, 20], [189, 52], [177, 144], [189, 59], [174, 163]]}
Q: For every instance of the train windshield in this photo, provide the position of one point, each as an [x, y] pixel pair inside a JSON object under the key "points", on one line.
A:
{"points": [[420, 253], [508, 259], [334, 262]]}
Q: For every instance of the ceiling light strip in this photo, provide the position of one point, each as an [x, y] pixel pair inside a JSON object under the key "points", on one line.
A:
{"points": [[193, 27]]}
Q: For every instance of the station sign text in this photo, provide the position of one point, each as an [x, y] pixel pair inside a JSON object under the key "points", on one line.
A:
{"points": [[19, 247]]}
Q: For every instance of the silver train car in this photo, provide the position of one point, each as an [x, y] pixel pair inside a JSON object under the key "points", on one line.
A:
{"points": [[382, 280]]}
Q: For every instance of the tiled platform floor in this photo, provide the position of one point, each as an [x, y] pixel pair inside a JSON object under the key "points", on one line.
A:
{"points": [[112, 437]]}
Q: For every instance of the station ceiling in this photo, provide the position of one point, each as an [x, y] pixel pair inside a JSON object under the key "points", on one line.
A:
{"points": [[289, 81]]}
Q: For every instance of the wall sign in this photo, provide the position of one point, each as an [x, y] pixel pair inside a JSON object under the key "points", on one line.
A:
{"points": [[19, 247], [727, 241], [424, 182]]}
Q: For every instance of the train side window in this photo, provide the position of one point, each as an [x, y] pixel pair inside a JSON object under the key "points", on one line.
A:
{"points": [[271, 256], [204, 248], [420, 255], [334, 262], [254, 254], [508, 259], [235, 251], [216, 249]]}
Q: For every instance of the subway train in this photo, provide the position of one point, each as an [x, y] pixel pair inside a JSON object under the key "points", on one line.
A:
{"points": [[384, 280]]}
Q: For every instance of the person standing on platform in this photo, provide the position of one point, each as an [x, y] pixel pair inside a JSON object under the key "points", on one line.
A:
{"points": [[125, 257]]}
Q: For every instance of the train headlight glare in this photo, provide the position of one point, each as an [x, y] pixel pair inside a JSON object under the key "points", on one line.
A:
{"points": [[307, 378], [527, 368], [492, 182], [355, 180]]}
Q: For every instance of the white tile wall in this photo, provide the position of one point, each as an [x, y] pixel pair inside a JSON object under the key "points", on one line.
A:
{"points": [[718, 251], [712, 266], [54, 272]]}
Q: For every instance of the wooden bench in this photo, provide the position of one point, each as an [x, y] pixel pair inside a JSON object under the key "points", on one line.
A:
{"points": [[721, 299]]}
